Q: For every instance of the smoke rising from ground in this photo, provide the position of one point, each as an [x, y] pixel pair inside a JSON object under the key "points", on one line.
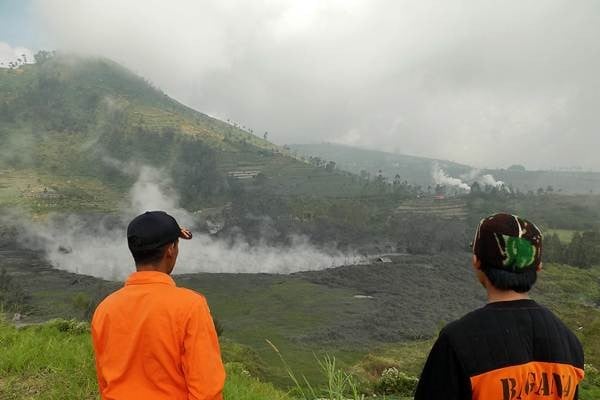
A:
{"points": [[489, 180], [86, 245], [441, 177]]}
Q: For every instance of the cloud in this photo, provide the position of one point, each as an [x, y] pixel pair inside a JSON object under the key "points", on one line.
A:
{"points": [[10, 54], [471, 81]]}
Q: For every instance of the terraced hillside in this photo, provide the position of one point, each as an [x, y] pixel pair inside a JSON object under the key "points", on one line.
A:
{"points": [[73, 131], [445, 208]]}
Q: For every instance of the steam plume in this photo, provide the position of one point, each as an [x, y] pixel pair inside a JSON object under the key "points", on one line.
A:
{"points": [[73, 244], [441, 178], [489, 180]]}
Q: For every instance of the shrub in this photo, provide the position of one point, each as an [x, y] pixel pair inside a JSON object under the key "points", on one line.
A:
{"points": [[394, 381], [592, 375], [69, 326], [13, 297]]}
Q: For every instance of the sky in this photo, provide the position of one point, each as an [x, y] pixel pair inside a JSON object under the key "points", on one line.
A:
{"points": [[481, 82]]}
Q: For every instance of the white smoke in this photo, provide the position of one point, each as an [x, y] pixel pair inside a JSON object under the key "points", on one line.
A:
{"points": [[476, 175], [440, 177], [488, 179], [70, 243]]}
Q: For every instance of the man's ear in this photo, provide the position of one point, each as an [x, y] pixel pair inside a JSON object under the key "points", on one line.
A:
{"points": [[171, 250], [539, 267], [476, 262]]}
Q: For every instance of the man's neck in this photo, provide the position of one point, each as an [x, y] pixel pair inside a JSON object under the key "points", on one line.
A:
{"points": [[154, 268], [495, 295]]}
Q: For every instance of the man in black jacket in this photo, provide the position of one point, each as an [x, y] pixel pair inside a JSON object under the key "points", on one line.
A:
{"points": [[513, 348]]}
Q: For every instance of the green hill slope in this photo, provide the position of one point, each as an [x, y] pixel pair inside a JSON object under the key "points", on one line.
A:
{"points": [[71, 127]]}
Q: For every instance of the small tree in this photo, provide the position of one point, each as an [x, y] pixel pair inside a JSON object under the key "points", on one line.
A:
{"points": [[476, 187], [42, 56]]}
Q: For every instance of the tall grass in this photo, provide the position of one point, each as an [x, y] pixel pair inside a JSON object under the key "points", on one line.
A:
{"points": [[339, 384], [50, 361], [55, 361]]}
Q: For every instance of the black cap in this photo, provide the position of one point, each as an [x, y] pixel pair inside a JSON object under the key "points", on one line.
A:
{"points": [[152, 230]]}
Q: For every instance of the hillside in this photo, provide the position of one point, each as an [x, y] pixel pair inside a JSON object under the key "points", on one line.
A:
{"points": [[74, 131], [418, 170]]}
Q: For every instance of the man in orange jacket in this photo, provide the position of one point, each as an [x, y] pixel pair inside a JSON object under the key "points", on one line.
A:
{"points": [[153, 340]]}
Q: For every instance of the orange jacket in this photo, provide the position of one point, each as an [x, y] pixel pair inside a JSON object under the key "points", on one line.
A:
{"points": [[154, 340]]}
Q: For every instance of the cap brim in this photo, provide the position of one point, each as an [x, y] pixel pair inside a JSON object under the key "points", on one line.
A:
{"points": [[185, 234]]}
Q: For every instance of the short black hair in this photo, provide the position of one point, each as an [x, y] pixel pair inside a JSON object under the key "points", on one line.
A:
{"points": [[149, 257], [521, 282]]}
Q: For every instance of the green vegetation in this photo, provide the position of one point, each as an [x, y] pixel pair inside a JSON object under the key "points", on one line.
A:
{"points": [[291, 311], [12, 296], [564, 235], [338, 383], [550, 211], [72, 128], [52, 361], [55, 361], [582, 251]]}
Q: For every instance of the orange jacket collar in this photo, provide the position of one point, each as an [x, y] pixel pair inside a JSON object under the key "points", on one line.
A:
{"points": [[146, 277]]}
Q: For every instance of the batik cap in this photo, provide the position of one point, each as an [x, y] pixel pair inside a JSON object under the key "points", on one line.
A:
{"points": [[507, 242]]}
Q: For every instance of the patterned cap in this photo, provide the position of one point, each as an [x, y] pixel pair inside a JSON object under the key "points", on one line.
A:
{"points": [[507, 242]]}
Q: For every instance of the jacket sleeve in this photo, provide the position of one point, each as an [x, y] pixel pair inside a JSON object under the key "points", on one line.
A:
{"points": [[443, 376], [202, 365]]}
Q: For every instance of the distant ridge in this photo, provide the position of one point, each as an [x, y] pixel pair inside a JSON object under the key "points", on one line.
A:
{"points": [[418, 170]]}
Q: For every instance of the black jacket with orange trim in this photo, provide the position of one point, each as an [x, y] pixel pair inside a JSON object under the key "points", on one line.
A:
{"points": [[506, 351]]}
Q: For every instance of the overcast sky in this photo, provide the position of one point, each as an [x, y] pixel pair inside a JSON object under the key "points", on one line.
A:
{"points": [[489, 83]]}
